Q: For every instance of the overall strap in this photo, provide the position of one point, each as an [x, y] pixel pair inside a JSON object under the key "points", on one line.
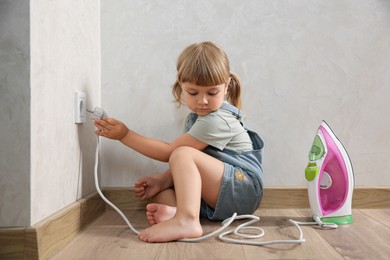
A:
{"points": [[257, 142], [225, 106], [235, 111]]}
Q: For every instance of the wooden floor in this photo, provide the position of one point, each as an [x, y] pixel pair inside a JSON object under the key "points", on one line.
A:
{"points": [[367, 238]]}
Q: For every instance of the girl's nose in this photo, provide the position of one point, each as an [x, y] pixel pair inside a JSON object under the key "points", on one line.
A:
{"points": [[202, 100]]}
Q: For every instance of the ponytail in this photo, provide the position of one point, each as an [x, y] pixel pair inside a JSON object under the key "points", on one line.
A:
{"points": [[176, 92], [233, 95]]}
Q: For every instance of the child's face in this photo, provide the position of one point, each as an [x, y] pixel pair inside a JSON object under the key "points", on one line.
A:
{"points": [[203, 100]]}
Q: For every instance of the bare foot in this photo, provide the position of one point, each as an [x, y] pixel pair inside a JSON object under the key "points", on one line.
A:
{"points": [[157, 213], [172, 229]]}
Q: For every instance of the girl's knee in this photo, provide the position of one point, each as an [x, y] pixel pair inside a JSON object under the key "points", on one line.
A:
{"points": [[182, 152]]}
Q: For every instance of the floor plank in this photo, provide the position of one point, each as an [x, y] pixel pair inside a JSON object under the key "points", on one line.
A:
{"points": [[108, 237], [381, 215], [365, 238], [277, 227]]}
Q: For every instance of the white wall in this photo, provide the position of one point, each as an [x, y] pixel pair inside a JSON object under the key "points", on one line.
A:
{"points": [[65, 56], [300, 62], [48, 49]]}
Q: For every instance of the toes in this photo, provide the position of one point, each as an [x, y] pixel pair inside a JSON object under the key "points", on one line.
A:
{"points": [[152, 207], [151, 220], [145, 236]]}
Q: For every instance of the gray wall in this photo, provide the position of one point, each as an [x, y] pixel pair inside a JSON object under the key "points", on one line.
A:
{"points": [[300, 62], [15, 112]]}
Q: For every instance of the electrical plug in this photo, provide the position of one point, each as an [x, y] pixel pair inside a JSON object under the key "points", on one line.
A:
{"points": [[98, 113]]}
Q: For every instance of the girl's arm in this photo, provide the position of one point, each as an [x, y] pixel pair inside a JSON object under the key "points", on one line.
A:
{"points": [[152, 148]]}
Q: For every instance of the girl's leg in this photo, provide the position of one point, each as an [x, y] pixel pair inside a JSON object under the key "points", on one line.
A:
{"points": [[195, 175], [166, 197]]}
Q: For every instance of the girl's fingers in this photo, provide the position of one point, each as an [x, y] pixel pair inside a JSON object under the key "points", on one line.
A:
{"points": [[102, 126], [138, 190], [100, 123]]}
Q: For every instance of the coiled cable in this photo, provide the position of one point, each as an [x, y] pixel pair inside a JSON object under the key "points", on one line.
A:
{"points": [[222, 235]]}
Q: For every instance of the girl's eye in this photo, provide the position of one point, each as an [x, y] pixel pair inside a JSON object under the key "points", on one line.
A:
{"points": [[194, 93]]}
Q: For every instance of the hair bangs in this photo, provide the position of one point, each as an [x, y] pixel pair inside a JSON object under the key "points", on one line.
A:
{"points": [[203, 66]]}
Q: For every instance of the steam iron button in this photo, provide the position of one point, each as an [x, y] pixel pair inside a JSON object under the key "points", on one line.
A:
{"points": [[311, 172], [317, 149]]}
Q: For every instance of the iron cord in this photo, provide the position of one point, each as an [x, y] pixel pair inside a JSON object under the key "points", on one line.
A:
{"points": [[238, 231]]}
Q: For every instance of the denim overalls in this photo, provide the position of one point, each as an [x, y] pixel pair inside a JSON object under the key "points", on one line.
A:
{"points": [[242, 182]]}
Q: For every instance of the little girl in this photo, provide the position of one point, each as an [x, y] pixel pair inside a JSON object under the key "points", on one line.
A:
{"points": [[215, 168]]}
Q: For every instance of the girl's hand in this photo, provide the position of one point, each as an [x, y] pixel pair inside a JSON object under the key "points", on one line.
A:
{"points": [[111, 128], [147, 187]]}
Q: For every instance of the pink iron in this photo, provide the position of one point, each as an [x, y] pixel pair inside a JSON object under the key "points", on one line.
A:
{"points": [[330, 178]]}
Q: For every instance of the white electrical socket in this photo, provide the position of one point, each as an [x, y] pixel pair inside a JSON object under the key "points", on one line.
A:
{"points": [[80, 107]]}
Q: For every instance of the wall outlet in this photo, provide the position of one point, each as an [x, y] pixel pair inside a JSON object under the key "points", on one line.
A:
{"points": [[80, 107]]}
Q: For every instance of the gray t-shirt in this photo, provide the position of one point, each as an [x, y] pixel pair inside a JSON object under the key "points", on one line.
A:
{"points": [[222, 130]]}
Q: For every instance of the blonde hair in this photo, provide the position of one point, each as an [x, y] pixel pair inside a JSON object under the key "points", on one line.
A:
{"points": [[206, 64]]}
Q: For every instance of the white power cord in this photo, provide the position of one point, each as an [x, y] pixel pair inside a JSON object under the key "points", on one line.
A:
{"points": [[225, 223]]}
